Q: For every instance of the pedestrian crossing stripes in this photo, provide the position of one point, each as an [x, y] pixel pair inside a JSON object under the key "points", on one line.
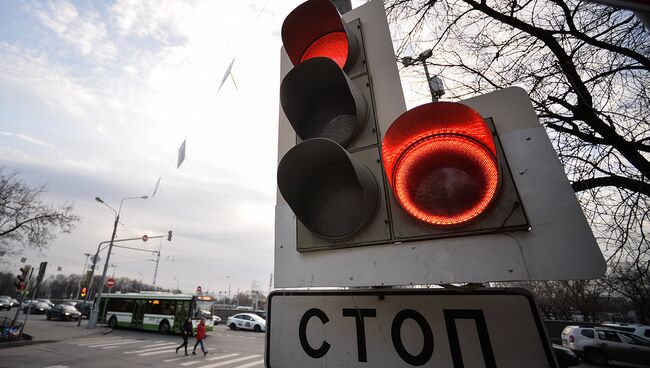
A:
{"points": [[221, 364], [209, 359], [164, 347], [160, 350]]}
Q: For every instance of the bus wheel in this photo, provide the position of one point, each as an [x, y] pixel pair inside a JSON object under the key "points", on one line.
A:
{"points": [[163, 328], [112, 323], [233, 327]]}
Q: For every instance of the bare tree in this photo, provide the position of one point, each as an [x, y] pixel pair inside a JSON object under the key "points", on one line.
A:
{"points": [[632, 281], [25, 219], [586, 68]]}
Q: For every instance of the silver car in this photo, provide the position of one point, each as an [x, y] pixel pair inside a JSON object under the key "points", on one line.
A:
{"points": [[602, 346]]}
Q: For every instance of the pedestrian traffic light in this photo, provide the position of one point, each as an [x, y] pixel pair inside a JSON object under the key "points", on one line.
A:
{"points": [[22, 280], [169, 235], [84, 292]]}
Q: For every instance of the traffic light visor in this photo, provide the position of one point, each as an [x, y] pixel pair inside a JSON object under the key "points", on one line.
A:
{"points": [[330, 192], [440, 160], [320, 101], [315, 29]]}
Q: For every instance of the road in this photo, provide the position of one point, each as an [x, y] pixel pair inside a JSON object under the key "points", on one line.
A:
{"points": [[129, 348]]}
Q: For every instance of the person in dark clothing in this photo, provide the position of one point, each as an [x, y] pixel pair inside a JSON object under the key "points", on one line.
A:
{"points": [[186, 331], [200, 335]]}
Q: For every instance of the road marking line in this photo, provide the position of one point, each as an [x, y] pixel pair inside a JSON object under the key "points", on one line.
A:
{"points": [[57, 366], [175, 359], [252, 364], [191, 363], [166, 346], [222, 357], [99, 342], [229, 361], [91, 341], [113, 343], [155, 344], [96, 339], [157, 352]]}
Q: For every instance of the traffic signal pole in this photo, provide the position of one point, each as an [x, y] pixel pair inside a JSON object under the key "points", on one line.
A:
{"points": [[24, 295], [92, 319]]}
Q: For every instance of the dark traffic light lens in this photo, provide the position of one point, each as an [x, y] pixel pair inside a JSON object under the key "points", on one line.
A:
{"points": [[331, 192], [333, 45], [333, 201]]}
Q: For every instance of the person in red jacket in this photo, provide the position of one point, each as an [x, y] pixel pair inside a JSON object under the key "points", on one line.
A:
{"points": [[200, 335]]}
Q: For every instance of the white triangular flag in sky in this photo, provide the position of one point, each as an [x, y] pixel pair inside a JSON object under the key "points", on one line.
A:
{"points": [[226, 74], [181, 154], [155, 190]]}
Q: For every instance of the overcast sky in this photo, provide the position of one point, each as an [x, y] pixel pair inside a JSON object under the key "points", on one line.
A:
{"points": [[96, 98]]}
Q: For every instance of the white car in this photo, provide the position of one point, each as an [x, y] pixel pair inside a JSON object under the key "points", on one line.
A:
{"points": [[247, 321], [639, 330], [216, 319], [602, 346]]}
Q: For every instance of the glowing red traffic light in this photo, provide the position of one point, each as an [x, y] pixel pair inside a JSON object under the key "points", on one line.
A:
{"points": [[440, 160], [333, 45], [315, 29]]}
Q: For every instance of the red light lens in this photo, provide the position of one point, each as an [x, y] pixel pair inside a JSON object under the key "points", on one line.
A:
{"points": [[441, 163], [446, 180], [571, 338], [333, 45]]}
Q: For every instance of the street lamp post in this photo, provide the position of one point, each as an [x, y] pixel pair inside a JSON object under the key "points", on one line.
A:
{"points": [[177, 288], [229, 282], [92, 321], [436, 87]]}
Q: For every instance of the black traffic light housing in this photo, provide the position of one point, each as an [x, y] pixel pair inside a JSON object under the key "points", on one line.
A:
{"points": [[22, 280], [169, 235]]}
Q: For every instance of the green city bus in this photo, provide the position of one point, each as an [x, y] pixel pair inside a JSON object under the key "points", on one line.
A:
{"points": [[163, 312]]}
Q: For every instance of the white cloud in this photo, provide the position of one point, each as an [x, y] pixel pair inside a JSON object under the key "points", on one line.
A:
{"points": [[33, 71], [27, 139], [85, 33]]}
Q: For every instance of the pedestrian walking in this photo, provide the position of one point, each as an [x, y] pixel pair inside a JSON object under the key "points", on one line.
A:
{"points": [[186, 331], [200, 335]]}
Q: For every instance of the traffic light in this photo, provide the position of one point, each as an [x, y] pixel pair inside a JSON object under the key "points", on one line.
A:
{"points": [[445, 192], [332, 177], [169, 235], [84, 292], [448, 173], [22, 280]]}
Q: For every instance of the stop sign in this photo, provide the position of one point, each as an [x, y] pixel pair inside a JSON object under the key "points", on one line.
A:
{"points": [[145, 238], [110, 283]]}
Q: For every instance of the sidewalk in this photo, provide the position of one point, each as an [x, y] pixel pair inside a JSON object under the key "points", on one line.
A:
{"points": [[51, 331]]}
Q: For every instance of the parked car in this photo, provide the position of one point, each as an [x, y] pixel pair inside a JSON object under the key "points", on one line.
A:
{"points": [[602, 345], [36, 307], [14, 302], [71, 303], [639, 330], [6, 303], [216, 319], [64, 312], [565, 357], [84, 308], [247, 321]]}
